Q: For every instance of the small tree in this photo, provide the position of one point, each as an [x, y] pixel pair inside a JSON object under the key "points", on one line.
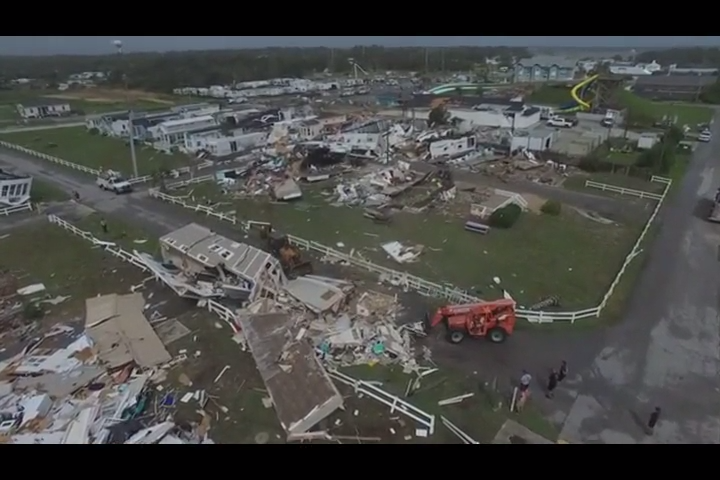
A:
{"points": [[551, 207], [438, 116]]}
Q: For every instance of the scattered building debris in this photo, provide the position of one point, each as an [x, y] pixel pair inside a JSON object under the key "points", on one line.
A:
{"points": [[455, 400], [301, 391], [402, 254], [100, 388]]}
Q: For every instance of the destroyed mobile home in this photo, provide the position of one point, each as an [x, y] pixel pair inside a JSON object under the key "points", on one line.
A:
{"points": [[294, 328], [101, 388]]}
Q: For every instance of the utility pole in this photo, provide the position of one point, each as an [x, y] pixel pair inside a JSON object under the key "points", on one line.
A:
{"points": [[118, 46], [427, 60], [442, 60], [332, 59]]}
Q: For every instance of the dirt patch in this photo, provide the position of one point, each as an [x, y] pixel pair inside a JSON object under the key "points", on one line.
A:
{"points": [[96, 95]]}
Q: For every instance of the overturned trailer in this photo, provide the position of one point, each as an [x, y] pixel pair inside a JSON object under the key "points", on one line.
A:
{"points": [[232, 269]]}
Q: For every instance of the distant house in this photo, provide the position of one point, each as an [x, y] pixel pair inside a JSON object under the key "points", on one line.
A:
{"points": [[544, 69], [172, 133], [44, 109], [672, 87], [675, 70], [630, 70]]}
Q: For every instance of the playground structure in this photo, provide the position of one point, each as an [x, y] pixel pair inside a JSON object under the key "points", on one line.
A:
{"points": [[594, 93], [510, 90], [580, 96], [464, 87]]}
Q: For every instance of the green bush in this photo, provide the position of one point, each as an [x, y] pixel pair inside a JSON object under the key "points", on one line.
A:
{"points": [[505, 217], [551, 207], [93, 131]]}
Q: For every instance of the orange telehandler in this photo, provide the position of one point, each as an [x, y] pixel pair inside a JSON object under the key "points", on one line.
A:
{"points": [[494, 320]]}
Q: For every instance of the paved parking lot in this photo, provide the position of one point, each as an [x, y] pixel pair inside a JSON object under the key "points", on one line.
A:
{"points": [[586, 136]]}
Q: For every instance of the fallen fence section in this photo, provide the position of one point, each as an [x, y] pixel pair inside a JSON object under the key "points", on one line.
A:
{"points": [[95, 172], [396, 404], [218, 309], [467, 439], [16, 209], [426, 287]]}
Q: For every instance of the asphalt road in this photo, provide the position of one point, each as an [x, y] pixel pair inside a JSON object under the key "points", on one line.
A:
{"points": [[665, 353]]}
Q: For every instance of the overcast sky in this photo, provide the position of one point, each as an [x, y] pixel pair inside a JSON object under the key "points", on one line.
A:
{"points": [[99, 45]]}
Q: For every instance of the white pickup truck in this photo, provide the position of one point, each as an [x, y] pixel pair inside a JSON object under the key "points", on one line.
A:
{"points": [[561, 122], [113, 182]]}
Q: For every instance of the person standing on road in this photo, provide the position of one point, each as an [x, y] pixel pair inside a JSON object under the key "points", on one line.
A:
{"points": [[76, 195], [103, 225], [654, 417], [562, 373], [552, 384], [523, 391], [525, 381]]}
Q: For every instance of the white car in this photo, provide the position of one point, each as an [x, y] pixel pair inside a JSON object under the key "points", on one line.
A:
{"points": [[705, 136], [561, 122]]}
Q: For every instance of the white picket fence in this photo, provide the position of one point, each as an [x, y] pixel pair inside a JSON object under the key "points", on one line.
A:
{"points": [[16, 209], [396, 278], [623, 191], [426, 287], [92, 171], [113, 249]]}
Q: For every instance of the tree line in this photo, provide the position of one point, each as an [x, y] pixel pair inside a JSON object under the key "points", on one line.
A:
{"points": [[164, 71]]}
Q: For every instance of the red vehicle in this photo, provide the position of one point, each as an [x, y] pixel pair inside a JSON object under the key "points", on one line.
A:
{"points": [[494, 320]]}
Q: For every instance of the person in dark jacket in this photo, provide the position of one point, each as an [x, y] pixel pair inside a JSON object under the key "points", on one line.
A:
{"points": [[652, 421], [562, 373], [552, 384]]}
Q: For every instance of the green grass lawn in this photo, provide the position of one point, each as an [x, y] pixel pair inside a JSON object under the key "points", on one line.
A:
{"points": [[480, 416], [91, 108], [75, 144], [550, 95], [126, 236], [621, 158], [46, 192], [538, 257], [10, 98], [8, 113], [619, 179], [687, 114], [71, 267]]}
